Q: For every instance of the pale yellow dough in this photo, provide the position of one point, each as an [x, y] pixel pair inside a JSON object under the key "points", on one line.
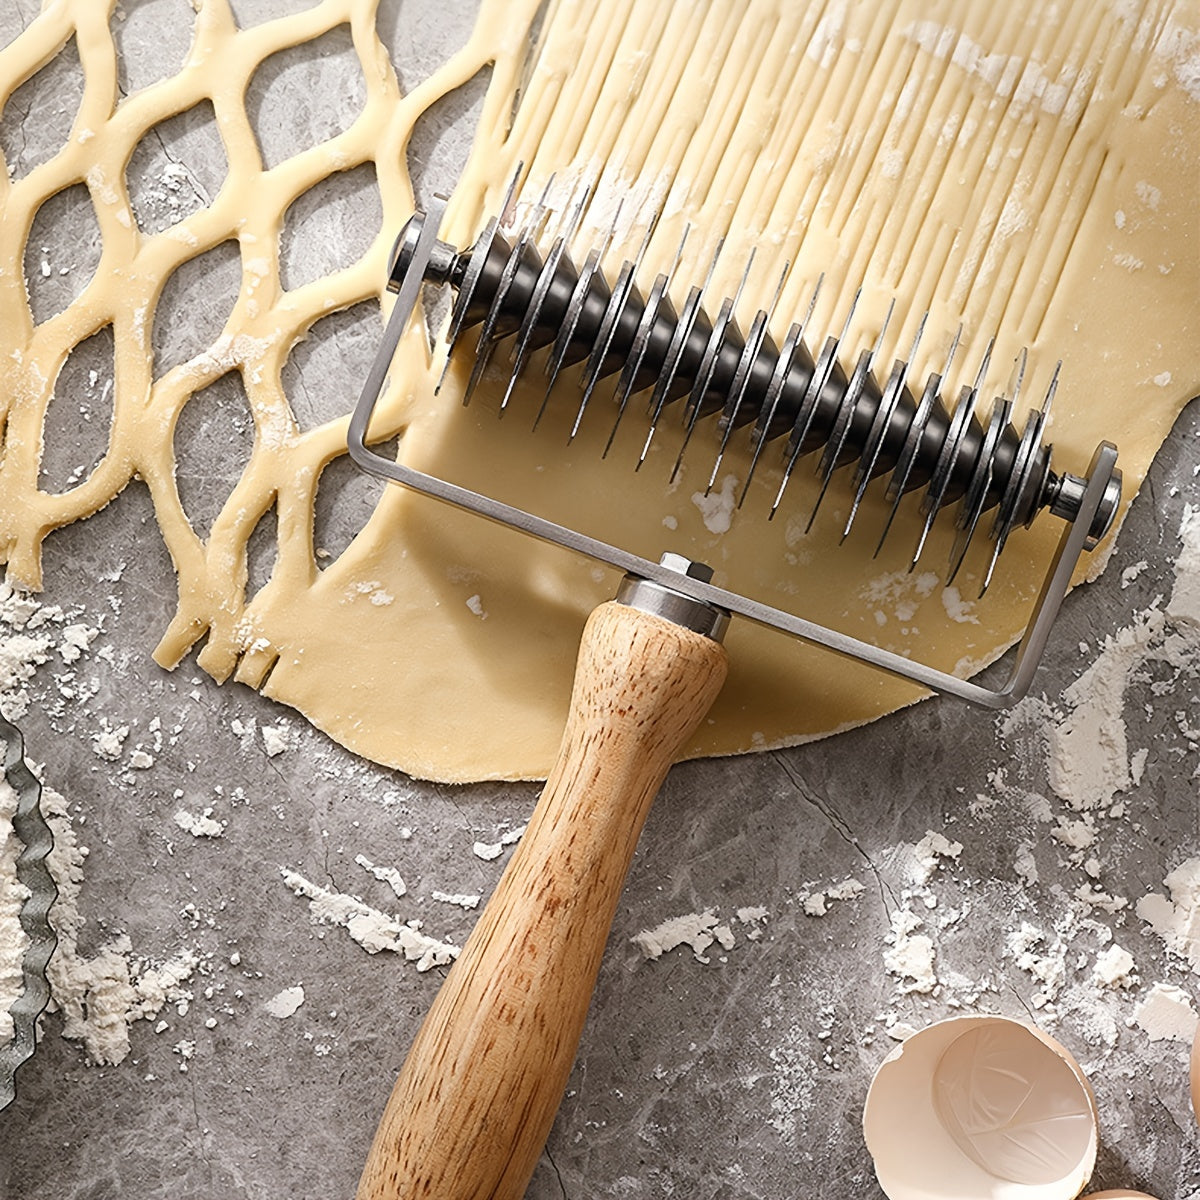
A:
{"points": [[1026, 170]]}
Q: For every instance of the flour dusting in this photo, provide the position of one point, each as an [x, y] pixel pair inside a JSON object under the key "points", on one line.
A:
{"points": [[13, 894], [286, 1003], [373, 930]]}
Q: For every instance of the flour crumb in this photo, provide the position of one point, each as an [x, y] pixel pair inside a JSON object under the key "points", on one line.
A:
{"points": [[1114, 968], [202, 825], [1078, 835], [388, 875], [752, 915], [1042, 959], [928, 853], [373, 930], [1166, 1015], [911, 957], [457, 898], [1093, 897], [697, 930], [285, 1003], [76, 639], [13, 940], [1025, 865], [109, 742], [276, 738], [1131, 573], [716, 509], [958, 609], [1148, 194], [816, 904], [1177, 919], [489, 851]]}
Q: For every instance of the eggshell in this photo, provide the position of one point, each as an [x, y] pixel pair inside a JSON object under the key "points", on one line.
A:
{"points": [[1119, 1194], [981, 1107], [1196, 1076]]}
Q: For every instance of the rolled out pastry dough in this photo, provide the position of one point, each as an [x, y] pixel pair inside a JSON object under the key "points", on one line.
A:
{"points": [[1025, 171]]}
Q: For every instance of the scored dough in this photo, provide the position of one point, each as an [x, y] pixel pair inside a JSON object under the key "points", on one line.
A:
{"points": [[1024, 171]]}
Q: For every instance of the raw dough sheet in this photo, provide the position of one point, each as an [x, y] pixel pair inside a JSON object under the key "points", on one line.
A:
{"points": [[1028, 177], [239, 974]]}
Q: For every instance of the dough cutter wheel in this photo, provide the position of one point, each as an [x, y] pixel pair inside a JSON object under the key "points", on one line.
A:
{"points": [[476, 1098]]}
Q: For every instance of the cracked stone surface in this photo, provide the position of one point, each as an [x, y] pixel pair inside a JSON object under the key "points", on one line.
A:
{"points": [[735, 1070]]}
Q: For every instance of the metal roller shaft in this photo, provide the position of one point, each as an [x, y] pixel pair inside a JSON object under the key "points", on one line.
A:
{"points": [[783, 393]]}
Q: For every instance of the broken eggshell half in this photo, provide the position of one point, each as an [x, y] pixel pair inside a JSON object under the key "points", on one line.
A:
{"points": [[1196, 1076], [981, 1108], [1119, 1194]]}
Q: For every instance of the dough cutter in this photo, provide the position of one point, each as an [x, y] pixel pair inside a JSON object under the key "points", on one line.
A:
{"points": [[34, 875], [476, 1098]]}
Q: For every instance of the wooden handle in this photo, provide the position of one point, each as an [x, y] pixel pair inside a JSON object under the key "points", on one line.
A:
{"points": [[473, 1106]]}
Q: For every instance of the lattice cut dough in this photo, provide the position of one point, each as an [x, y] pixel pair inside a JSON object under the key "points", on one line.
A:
{"points": [[1021, 170]]}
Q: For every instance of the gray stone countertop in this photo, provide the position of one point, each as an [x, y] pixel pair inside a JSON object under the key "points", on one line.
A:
{"points": [[737, 1071]]}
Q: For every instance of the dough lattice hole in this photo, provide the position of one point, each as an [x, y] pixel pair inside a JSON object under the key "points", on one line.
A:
{"points": [[262, 550], [305, 94], [346, 498], [194, 305], [213, 440], [437, 149], [340, 346], [176, 169], [37, 119], [81, 413], [416, 57], [152, 38], [254, 12], [62, 253], [330, 226]]}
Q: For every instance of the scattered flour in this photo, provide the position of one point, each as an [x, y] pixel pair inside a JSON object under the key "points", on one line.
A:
{"points": [[13, 894], [699, 930], [490, 851], [199, 825], [1114, 968], [1130, 574], [30, 633], [816, 904], [928, 854], [1090, 762], [286, 1003], [1167, 1015], [102, 995], [388, 875], [110, 741], [99, 996], [370, 928], [1177, 919], [958, 609], [911, 957], [276, 738], [1089, 751], [716, 508], [898, 595], [1043, 958]]}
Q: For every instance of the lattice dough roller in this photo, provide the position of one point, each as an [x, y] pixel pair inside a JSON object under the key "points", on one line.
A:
{"points": [[475, 1101]]}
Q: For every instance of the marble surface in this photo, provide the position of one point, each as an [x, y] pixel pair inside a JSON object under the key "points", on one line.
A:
{"points": [[737, 1073]]}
